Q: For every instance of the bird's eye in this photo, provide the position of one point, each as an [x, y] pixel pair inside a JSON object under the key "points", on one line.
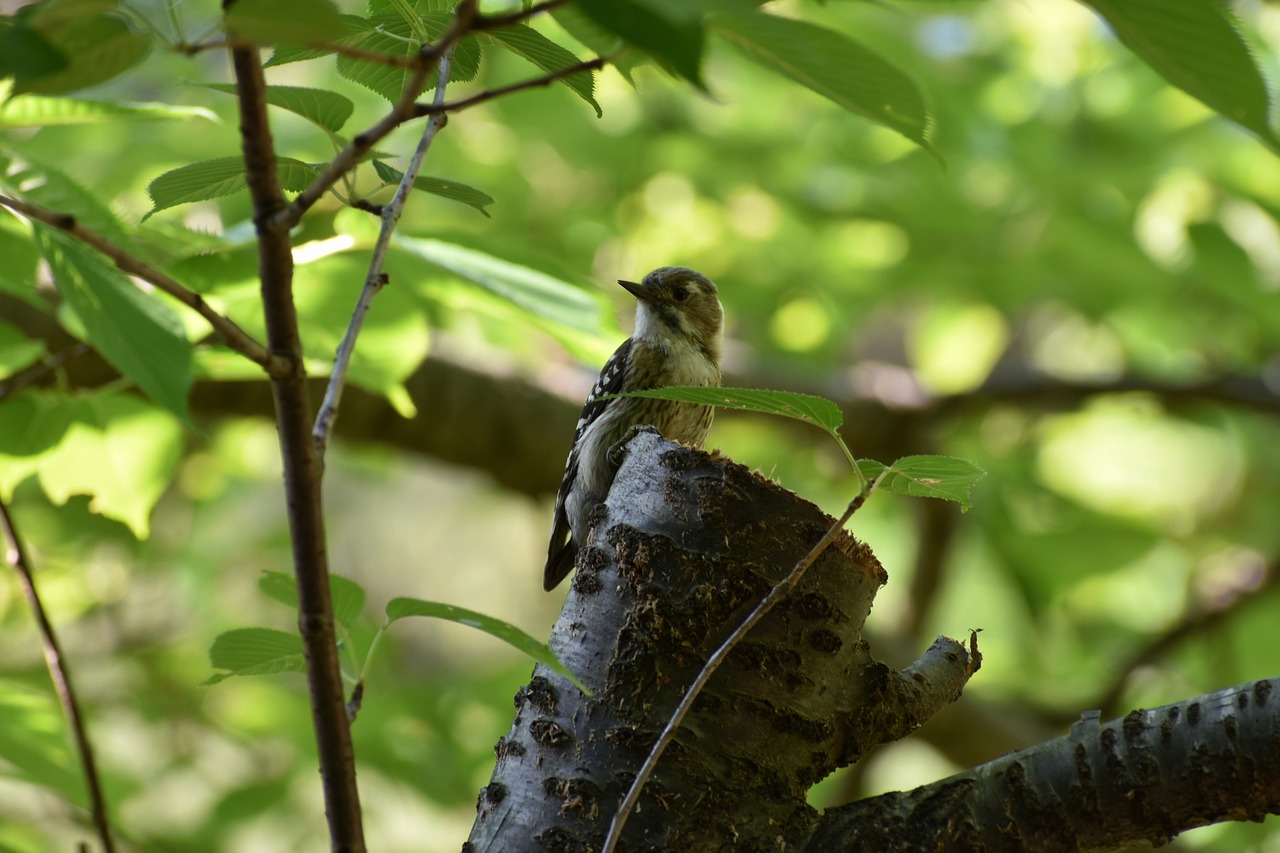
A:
{"points": [[680, 294]]}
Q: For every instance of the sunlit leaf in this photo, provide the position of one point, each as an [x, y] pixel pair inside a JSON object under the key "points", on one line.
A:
{"points": [[400, 608], [114, 447], [321, 107], [17, 350], [392, 35], [549, 56], [136, 332], [96, 46], [255, 651], [217, 178], [348, 596], [833, 65], [533, 291], [35, 111], [34, 744], [818, 411], [1196, 46], [442, 187], [944, 477]]}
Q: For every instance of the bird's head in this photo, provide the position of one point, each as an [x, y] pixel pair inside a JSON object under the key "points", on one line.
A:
{"points": [[678, 305]]}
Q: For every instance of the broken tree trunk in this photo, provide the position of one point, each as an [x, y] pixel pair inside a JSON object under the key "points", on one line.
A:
{"points": [[683, 548]]}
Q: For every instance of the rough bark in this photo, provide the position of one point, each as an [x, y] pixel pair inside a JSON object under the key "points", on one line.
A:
{"points": [[1144, 777], [682, 548]]}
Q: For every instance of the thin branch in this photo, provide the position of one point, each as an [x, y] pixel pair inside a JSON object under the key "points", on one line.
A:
{"points": [[403, 110], [235, 337], [780, 591], [302, 469], [16, 556], [376, 278], [488, 95], [484, 23]]}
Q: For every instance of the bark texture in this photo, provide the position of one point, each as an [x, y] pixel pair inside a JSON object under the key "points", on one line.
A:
{"points": [[684, 546]]}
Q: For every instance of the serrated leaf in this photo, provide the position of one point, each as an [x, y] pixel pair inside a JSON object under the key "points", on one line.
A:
{"points": [[327, 110], [390, 34], [534, 292], [595, 38], [96, 47], [944, 477], [549, 56], [442, 187], [400, 608], [1196, 46], [255, 651], [137, 333], [348, 596], [114, 447], [833, 65], [285, 21], [672, 36], [818, 411], [210, 179], [35, 111]]}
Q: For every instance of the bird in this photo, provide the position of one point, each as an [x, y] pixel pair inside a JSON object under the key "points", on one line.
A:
{"points": [[678, 339]]}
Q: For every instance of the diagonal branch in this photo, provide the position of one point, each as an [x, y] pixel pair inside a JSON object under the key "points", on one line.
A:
{"points": [[488, 95], [234, 336], [376, 278], [402, 111], [61, 675]]}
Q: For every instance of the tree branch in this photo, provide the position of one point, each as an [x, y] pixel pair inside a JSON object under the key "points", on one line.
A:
{"points": [[403, 110], [489, 94], [60, 673], [235, 337], [1145, 777], [302, 469], [376, 278]]}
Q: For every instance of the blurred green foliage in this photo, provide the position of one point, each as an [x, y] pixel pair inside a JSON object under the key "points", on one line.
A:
{"points": [[1091, 224]]}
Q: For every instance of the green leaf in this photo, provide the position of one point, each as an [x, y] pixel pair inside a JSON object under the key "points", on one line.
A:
{"points": [[673, 36], [137, 333], [24, 51], [390, 34], [285, 21], [96, 46], [1196, 46], [16, 350], [452, 190], [48, 186], [255, 651], [348, 596], [534, 292], [115, 447], [34, 744], [549, 56], [327, 110], [818, 411], [35, 111], [399, 608], [18, 272], [944, 477], [210, 179], [834, 66]]}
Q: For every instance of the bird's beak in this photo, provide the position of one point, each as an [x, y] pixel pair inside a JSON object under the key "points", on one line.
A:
{"points": [[636, 290]]}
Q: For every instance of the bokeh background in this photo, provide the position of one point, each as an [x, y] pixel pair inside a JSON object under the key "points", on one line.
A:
{"points": [[1082, 296]]}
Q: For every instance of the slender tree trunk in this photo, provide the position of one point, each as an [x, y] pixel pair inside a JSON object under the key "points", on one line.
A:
{"points": [[684, 546]]}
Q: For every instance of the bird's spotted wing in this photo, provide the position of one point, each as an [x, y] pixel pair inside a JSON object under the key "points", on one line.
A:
{"points": [[560, 553]]}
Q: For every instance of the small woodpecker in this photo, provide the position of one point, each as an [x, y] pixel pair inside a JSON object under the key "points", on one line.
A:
{"points": [[677, 341]]}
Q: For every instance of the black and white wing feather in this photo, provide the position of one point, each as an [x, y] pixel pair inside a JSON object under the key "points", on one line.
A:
{"points": [[562, 551]]}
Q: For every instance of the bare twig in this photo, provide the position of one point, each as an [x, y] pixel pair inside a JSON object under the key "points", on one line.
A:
{"points": [[16, 556], [489, 94], [302, 470], [403, 110], [496, 22], [235, 337], [780, 591], [376, 278]]}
